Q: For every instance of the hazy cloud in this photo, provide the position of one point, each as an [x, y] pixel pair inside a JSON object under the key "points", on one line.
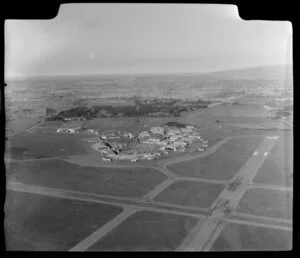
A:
{"points": [[114, 38]]}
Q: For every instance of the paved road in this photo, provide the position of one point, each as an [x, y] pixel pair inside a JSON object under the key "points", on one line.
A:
{"points": [[159, 188], [135, 203], [36, 159], [259, 219], [211, 181], [228, 200], [260, 223], [102, 231], [123, 202], [271, 187], [290, 125]]}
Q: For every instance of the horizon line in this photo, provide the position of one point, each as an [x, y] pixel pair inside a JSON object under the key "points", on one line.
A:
{"points": [[7, 78]]}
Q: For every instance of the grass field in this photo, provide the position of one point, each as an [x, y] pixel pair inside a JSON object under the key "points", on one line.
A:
{"points": [[237, 237], [40, 223], [243, 110], [218, 131], [147, 231], [222, 164], [115, 123], [125, 182], [22, 122], [248, 99], [55, 124], [271, 125], [267, 203], [278, 166], [232, 120], [188, 193], [42, 145]]}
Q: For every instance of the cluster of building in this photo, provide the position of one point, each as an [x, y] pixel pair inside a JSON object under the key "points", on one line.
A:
{"points": [[152, 144], [78, 129], [149, 144], [170, 138]]}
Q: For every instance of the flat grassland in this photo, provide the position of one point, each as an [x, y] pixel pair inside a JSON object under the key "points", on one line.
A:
{"points": [[222, 164], [124, 182], [243, 110], [252, 116], [129, 124], [278, 166], [267, 202], [39, 145], [147, 231], [238, 237], [221, 121], [55, 124], [41, 223], [187, 193]]}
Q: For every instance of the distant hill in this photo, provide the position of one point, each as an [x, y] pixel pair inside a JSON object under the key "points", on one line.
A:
{"points": [[261, 72]]}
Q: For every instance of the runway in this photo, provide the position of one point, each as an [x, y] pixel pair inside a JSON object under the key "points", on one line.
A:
{"points": [[119, 201], [137, 204], [203, 235], [102, 231], [228, 200]]}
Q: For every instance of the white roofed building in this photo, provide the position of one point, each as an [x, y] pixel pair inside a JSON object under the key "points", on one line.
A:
{"points": [[186, 130], [157, 130], [129, 135], [173, 131], [144, 134], [61, 130], [71, 130]]}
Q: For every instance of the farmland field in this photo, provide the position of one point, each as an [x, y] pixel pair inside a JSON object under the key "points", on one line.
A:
{"points": [[267, 203], [147, 231], [55, 124], [222, 164], [187, 193], [242, 110], [235, 237], [277, 169], [125, 182], [40, 223], [115, 123], [39, 145]]}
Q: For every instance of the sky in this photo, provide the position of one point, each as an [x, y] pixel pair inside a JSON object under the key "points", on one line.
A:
{"points": [[143, 38]]}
